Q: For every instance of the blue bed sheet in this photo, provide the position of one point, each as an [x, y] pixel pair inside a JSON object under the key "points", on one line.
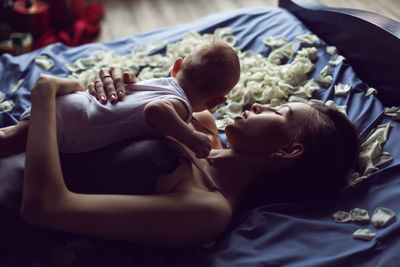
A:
{"points": [[281, 234]]}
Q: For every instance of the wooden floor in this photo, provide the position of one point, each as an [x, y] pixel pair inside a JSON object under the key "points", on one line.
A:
{"points": [[126, 17]]}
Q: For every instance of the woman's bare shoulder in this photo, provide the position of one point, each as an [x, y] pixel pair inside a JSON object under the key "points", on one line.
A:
{"points": [[195, 196]]}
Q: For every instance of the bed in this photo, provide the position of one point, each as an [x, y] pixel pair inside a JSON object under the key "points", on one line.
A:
{"points": [[276, 234]]}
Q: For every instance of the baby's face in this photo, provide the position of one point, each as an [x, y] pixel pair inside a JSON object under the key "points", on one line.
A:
{"points": [[209, 102]]}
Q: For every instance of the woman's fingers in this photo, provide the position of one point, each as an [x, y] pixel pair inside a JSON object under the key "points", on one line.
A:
{"points": [[92, 86], [91, 89], [104, 73], [110, 89], [116, 74], [129, 78], [110, 84], [101, 95], [96, 88]]}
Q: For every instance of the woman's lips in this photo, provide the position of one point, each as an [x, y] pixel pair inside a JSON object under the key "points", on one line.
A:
{"points": [[244, 116]]}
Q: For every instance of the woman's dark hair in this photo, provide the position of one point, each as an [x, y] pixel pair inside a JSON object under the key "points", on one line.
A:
{"points": [[331, 149]]}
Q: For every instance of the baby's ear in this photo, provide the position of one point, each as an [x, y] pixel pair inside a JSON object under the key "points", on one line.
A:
{"points": [[176, 67]]}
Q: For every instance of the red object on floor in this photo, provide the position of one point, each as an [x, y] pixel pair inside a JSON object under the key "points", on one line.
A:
{"points": [[65, 12], [32, 18], [82, 31]]}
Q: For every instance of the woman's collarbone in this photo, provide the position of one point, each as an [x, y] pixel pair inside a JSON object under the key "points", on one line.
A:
{"points": [[188, 176]]}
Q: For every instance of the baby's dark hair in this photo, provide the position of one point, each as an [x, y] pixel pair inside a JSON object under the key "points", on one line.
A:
{"points": [[210, 67]]}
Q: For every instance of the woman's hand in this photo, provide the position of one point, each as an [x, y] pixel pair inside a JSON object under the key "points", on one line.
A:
{"points": [[59, 86], [109, 84]]}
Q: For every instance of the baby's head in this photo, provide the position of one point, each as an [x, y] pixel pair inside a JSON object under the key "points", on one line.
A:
{"points": [[207, 74]]}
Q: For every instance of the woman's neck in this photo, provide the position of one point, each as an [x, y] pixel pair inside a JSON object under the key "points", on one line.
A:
{"points": [[234, 172]]}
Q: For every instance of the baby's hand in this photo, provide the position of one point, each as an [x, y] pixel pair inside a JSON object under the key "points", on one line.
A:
{"points": [[200, 144]]}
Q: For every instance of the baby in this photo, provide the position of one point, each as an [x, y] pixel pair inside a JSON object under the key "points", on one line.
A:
{"points": [[154, 107]]}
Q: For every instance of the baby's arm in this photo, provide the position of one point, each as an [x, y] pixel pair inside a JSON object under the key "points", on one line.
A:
{"points": [[168, 116]]}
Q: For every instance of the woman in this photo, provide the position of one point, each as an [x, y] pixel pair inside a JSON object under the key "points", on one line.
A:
{"points": [[195, 202]]}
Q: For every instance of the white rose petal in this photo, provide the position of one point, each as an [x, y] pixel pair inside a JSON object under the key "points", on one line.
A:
{"points": [[382, 217], [331, 50], [307, 38], [336, 60], [359, 215], [15, 86], [44, 62], [342, 89], [364, 234], [275, 41], [393, 112], [2, 96], [7, 106], [371, 91], [341, 216]]}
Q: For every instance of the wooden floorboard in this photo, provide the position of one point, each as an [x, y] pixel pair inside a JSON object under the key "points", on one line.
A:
{"points": [[126, 17]]}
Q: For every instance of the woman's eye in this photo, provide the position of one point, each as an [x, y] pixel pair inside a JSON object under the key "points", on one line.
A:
{"points": [[276, 112]]}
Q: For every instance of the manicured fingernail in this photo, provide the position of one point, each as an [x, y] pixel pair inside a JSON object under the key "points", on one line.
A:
{"points": [[113, 98], [103, 99], [120, 94]]}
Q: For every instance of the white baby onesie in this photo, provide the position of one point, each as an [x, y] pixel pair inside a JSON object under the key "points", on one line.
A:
{"points": [[83, 124]]}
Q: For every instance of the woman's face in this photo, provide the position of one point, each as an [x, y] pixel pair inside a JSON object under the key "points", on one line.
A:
{"points": [[264, 130]]}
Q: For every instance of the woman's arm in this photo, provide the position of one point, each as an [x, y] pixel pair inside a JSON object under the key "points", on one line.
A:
{"points": [[180, 218], [42, 163]]}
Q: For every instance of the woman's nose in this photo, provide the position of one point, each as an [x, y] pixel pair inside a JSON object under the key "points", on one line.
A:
{"points": [[258, 108]]}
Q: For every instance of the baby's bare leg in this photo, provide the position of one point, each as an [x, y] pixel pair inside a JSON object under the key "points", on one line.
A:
{"points": [[13, 138]]}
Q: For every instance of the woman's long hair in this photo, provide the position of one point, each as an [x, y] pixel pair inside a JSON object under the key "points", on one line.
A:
{"points": [[331, 149]]}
